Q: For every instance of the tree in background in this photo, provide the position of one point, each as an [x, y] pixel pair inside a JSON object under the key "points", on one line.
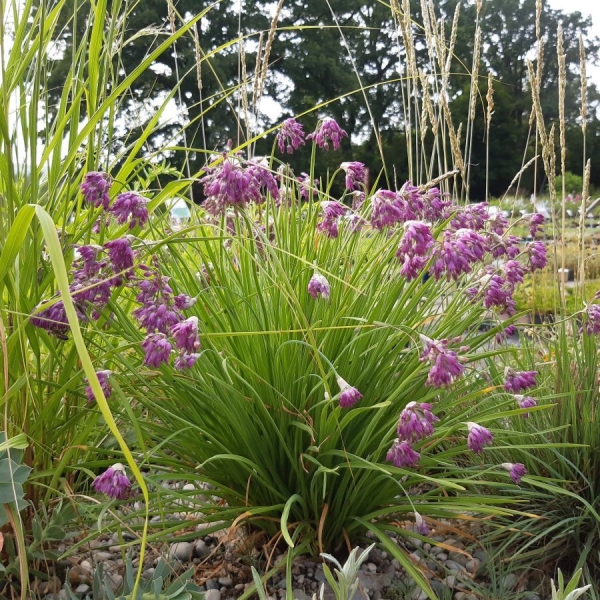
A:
{"points": [[339, 54]]}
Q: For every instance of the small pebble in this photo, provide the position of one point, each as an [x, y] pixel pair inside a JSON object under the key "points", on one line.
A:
{"points": [[181, 551], [225, 581], [212, 595]]}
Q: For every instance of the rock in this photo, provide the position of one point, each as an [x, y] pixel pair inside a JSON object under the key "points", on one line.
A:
{"points": [[320, 576], [372, 567], [450, 581], [102, 556], [460, 595], [52, 586], [181, 551], [82, 588], [211, 584], [200, 549], [453, 567], [509, 581], [148, 573], [480, 555], [225, 581], [442, 556], [212, 595], [282, 585], [472, 566], [114, 580], [419, 594], [457, 557], [298, 594]]}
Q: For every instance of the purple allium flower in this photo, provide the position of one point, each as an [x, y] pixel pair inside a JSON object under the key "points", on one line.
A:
{"points": [[436, 204], [525, 402], [517, 381], [349, 395], [478, 437], [332, 211], [306, 189], [458, 252], [446, 366], [157, 349], [183, 301], [514, 271], [185, 335], [113, 482], [264, 178], [89, 256], [420, 525], [103, 377], [95, 188], [538, 258], [417, 239], [387, 209], [319, 286], [505, 333], [592, 314], [186, 361], [416, 422], [53, 319], [401, 454], [157, 316], [327, 131], [498, 223], [515, 470], [355, 175], [496, 293], [290, 136], [229, 184], [535, 222], [472, 216], [120, 254], [130, 206], [414, 247]]}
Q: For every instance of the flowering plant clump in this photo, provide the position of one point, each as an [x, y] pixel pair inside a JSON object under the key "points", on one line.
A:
{"points": [[415, 276]]}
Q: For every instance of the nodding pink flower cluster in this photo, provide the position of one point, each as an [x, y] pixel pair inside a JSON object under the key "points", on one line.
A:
{"points": [[103, 378], [420, 526], [472, 216], [161, 315], [497, 223], [356, 175], [517, 381], [402, 454], [130, 206], [538, 258], [516, 471], [505, 333], [446, 365], [290, 136], [514, 271], [416, 422], [536, 220], [525, 402], [498, 292], [306, 188], [478, 437], [592, 319], [96, 271], [332, 212], [349, 395], [319, 286], [95, 189], [235, 182], [414, 247], [457, 253], [114, 483], [327, 131]]}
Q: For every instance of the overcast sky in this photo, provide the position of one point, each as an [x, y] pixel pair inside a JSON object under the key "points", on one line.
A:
{"points": [[586, 8]]}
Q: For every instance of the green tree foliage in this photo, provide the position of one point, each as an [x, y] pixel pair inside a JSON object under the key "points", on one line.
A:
{"points": [[338, 56]]}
